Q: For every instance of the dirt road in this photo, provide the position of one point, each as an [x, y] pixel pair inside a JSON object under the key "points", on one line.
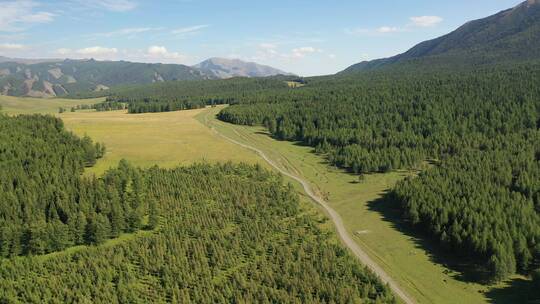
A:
{"points": [[336, 219]]}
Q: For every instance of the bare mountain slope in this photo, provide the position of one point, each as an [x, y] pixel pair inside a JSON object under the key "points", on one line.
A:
{"points": [[228, 68]]}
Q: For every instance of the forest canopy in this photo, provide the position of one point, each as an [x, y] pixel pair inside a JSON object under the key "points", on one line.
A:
{"points": [[215, 233]]}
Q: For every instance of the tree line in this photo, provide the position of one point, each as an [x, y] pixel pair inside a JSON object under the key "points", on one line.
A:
{"points": [[185, 95]]}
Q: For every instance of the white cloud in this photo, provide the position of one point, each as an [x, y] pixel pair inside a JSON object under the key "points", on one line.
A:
{"points": [[189, 30], [97, 51], [426, 21], [303, 51], [268, 46], [388, 29], [125, 32], [11, 47], [63, 51], [332, 56], [111, 5], [420, 21], [151, 54], [374, 32], [266, 52], [161, 54], [157, 51], [17, 15], [40, 17]]}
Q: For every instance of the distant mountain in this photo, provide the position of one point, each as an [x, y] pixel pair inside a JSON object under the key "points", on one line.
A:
{"points": [[27, 60], [49, 79], [512, 36], [228, 68], [55, 77]]}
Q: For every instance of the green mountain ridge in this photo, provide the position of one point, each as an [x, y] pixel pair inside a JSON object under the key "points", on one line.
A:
{"points": [[509, 36], [50, 79]]}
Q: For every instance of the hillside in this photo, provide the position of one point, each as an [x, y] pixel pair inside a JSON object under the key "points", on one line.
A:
{"points": [[49, 79], [507, 37], [228, 68]]}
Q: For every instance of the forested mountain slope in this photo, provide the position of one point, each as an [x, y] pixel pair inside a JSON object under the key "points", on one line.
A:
{"points": [[42, 78], [510, 36], [172, 96], [48, 79]]}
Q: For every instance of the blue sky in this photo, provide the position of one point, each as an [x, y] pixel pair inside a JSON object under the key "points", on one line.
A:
{"points": [[305, 37]]}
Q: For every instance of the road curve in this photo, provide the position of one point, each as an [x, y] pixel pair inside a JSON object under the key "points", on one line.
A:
{"points": [[336, 218]]}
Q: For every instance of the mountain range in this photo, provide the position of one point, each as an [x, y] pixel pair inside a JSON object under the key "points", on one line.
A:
{"points": [[50, 78], [228, 68], [510, 36]]}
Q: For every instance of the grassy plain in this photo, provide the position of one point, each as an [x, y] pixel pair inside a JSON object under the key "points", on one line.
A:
{"points": [[22, 105], [373, 222], [164, 139]]}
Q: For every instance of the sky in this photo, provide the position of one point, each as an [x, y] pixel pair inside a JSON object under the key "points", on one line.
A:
{"points": [[306, 37]]}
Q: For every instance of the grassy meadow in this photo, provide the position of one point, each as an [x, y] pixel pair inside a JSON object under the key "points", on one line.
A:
{"points": [[23, 105], [165, 139]]}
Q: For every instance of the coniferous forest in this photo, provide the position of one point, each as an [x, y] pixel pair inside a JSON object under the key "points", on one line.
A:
{"points": [[482, 200], [453, 124], [185, 95], [481, 127], [215, 233]]}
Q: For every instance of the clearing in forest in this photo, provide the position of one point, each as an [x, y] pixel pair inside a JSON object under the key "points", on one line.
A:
{"points": [[165, 139]]}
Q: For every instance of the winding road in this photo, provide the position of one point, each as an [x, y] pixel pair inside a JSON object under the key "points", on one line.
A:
{"points": [[334, 216]]}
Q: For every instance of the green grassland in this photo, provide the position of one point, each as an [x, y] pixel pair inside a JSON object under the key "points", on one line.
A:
{"points": [[371, 220], [294, 84], [22, 105], [164, 139]]}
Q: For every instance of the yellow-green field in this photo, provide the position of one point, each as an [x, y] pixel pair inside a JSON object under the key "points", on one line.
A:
{"points": [[295, 84], [164, 139], [19, 105]]}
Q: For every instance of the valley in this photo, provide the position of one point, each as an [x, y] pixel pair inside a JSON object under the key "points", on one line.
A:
{"points": [[185, 137], [289, 167], [368, 218]]}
